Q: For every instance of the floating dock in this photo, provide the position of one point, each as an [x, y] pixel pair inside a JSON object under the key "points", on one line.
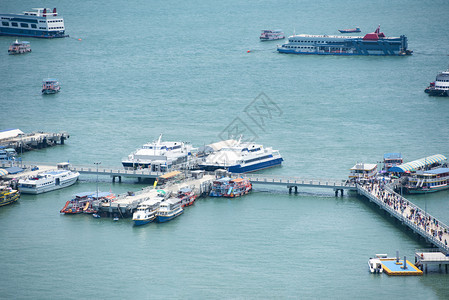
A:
{"points": [[392, 267]]}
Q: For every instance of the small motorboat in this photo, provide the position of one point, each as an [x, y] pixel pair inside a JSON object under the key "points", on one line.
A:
{"points": [[19, 47], [50, 86], [351, 30], [116, 218], [375, 264], [96, 216]]}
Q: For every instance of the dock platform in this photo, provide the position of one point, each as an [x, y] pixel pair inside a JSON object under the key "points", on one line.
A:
{"points": [[36, 140], [392, 268]]}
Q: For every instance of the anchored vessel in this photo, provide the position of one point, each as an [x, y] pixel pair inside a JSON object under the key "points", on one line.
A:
{"points": [[375, 43], [440, 87], [238, 187], [169, 209], [159, 156], [357, 29], [375, 265], [19, 47], [39, 22], [8, 195], [49, 181], [271, 35], [187, 196], [50, 86], [242, 158], [82, 202]]}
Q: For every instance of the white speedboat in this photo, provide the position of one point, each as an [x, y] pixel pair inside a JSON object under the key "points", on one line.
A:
{"points": [[375, 265], [242, 157], [147, 211], [159, 156], [271, 35], [49, 180]]}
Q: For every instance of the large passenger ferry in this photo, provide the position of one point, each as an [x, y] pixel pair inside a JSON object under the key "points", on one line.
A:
{"points": [[39, 22], [242, 158], [440, 87], [159, 156], [375, 43], [48, 181]]}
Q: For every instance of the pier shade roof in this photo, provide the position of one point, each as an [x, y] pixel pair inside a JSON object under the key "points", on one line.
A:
{"points": [[417, 164]]}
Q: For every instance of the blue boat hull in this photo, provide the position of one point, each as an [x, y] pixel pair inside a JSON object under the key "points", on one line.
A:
{"points": [[247, 169], [32, 33], [162, 219], [142, 222]]}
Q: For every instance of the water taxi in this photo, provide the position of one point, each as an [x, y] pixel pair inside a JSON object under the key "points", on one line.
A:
{"points": [[50, 86], [375, 264], [83, 202], [220, 187], [19, 47], [238, 187], [363, 171], [169, 209], [49, 181], [147, 211], [8, 195], [271, 35]]}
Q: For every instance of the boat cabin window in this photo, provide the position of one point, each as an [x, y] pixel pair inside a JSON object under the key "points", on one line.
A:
{"points": [[24, 25], [5, 23], [14, 24], [33, 26]]}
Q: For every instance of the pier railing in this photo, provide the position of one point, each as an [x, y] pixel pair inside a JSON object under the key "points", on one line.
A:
{"points": [[411, 224], [295, 181]]}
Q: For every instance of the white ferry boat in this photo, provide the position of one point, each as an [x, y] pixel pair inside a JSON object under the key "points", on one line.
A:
{"points": [[169, 209], [271, 35], [159, 156], [440, 87], [147, 211], [19, 47], [363, 171], [39, 23], [242, 158], [49, 181], [50, 86]]}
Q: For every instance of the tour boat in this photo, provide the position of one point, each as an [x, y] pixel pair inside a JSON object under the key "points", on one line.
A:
{"points": [[375, 265], [187, 196], [375, 43], [50, 86], [238, 187], [271, 35], [8, 195], [357, 29], [159, 156], [48, 181], [147, 211], [440, 87], [220, 187], [428, 181], [39, 23], [169, 209], [242, 158], [19, 47]]}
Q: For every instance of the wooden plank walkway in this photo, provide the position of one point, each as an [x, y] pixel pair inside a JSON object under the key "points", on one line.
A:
{"points": [[421, 222]]}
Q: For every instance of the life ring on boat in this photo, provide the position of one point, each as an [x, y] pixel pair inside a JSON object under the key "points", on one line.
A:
{"points": [[422, 255]]}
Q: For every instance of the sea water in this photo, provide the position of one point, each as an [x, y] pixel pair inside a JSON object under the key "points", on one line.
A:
{"points": [[193, 71]]}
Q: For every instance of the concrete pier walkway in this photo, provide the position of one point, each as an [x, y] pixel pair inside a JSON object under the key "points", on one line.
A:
{"points": [[421, 222]]}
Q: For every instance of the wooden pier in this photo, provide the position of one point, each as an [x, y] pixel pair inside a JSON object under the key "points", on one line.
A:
{"points": [[415, 218]]}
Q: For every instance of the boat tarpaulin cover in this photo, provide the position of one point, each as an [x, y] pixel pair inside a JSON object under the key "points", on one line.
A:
{"points": [[14, 170], [419, 163]]}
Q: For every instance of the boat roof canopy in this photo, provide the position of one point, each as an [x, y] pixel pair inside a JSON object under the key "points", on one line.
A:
{"points": [[419, 163], [364, 167], [436, 171], [392, 155], [170, 174]]}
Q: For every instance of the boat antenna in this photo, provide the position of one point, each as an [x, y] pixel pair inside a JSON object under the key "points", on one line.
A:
{"points": [[294, 31]]}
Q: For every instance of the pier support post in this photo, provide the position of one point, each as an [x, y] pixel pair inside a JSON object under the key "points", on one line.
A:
{"points": [[113, 179], [120, 179], [139, 179], [296, 190], [342, 192], [62, 140]]}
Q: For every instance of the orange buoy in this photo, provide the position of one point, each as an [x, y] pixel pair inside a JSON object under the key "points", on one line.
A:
{"points": [[248, 51], [79, 39]]}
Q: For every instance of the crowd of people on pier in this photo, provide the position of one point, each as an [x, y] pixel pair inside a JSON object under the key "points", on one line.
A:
{"points": [[408, 210]]}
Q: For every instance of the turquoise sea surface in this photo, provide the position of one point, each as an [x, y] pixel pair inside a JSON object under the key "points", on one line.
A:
{"points": [[191, 70]]}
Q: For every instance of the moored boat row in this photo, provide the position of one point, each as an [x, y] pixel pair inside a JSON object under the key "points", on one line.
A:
{"points": [[230, 188]]}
